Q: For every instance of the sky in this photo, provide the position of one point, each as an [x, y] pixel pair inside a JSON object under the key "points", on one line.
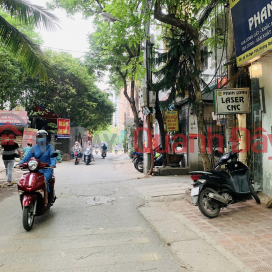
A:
{"points": [[71, 38]]}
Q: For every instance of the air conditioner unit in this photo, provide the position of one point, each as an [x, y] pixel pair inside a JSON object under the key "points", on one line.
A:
{"points": [[142, 97], [152, 99]]}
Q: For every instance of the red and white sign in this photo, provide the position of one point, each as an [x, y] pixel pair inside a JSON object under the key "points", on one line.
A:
{"points": [[16, 118], [221, 82], [63, 128], [29, 136]]}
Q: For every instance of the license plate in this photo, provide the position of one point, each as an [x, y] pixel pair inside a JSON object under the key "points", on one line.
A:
{"points": [[195, 191]]}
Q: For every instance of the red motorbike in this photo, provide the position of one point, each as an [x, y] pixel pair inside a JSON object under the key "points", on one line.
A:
{"points": [[32, 189]]}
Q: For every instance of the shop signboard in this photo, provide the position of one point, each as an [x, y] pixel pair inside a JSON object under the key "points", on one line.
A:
{"points": [[63, 128], [252, 26], [29, 136], [232, 101], [171, 119], [15, 118]]}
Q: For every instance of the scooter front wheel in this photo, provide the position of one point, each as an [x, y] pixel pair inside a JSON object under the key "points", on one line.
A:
{"points": [[208, 207], [254, 195], [28, 217]]}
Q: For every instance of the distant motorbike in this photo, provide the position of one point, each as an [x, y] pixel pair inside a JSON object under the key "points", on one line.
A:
{"points": [[96, 151], [32, 190], [76, 157], [214, 190], [139, 161], [87, 156]]}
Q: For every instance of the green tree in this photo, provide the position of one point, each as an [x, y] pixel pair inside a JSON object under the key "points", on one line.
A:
{"points": [[72, 93], [185, 16], [27, 51], [116, 47], [12, 74]]}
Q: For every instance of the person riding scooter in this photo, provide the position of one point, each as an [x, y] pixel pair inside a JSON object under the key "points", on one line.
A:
{"points": [[104, 150], [89, 146], [76, 148], [42, 151]]}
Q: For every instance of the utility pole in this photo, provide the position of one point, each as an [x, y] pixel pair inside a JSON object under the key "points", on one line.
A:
{"points": [[147, 156], [231, 72]]}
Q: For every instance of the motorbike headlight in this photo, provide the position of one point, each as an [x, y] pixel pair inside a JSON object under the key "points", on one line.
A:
{"points": [[32, 165]]}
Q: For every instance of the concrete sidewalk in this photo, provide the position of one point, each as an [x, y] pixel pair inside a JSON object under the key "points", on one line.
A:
{"points": [[240, 239]]}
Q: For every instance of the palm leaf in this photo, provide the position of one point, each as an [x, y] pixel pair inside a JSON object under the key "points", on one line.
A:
{"points": [[30, 54], [28, 13]]}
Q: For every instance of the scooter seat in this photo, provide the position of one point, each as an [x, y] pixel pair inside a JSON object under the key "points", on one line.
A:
{"points": [[221, 174]]}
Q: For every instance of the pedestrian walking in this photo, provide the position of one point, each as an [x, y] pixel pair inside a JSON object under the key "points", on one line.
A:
{"points": [[27, 148], [9, 154], [116, 149]]}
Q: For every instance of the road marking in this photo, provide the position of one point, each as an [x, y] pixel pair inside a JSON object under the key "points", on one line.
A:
{"points": [[71, 246], [69, 234], [88, 262]]}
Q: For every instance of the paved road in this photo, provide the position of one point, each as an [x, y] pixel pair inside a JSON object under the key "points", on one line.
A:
{"points": [[78, 236]]}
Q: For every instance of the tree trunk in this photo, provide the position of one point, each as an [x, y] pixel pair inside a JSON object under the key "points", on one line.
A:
{"points": [[131, 100], [200, 106], [133, 105], [159, 118], [194, 33]]}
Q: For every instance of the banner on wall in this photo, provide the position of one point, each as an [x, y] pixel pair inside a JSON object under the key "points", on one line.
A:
{"points": [[171, 119], [63, 128], [252, 26]]}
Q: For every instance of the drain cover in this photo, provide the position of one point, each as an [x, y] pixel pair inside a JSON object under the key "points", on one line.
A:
{"points": [[98, 200]]}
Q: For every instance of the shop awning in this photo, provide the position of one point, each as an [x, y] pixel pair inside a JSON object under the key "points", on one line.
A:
{"points": [[47, 114]]}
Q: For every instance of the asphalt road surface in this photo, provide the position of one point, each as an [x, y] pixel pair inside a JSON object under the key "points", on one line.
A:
{"points": [[93, 226]]}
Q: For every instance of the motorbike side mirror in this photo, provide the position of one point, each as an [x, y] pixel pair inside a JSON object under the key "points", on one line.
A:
{"points": [[54, 155]]}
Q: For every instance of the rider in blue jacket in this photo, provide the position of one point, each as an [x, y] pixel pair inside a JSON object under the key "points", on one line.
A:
{"points": [[42, 151]]}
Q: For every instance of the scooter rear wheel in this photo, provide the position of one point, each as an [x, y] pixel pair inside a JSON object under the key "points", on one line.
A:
{"points": [[140, 166], [28, 217], [207, 206]]}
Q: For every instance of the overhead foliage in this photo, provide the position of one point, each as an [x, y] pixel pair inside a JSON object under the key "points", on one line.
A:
{"points": [[177, 67], [71, 93], [114, 47], [28, 52]]}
